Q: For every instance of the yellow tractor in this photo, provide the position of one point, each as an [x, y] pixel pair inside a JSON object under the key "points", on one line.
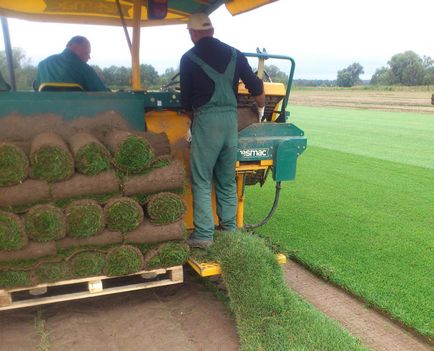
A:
{"points": [[269, 147]]}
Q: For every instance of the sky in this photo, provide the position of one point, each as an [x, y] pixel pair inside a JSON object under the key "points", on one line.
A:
{"points": [[322, 36]]}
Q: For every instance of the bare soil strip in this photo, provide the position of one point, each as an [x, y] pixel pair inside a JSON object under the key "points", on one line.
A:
{"points": [[396, 101], [375, 330]]}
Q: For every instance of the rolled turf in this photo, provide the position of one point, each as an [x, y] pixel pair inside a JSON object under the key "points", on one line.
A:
{"points": [[123, 260], [164, 208], [13, 279], [50, 158], [91, 157], [84, 218], [87, 264], [14, 165], [12, 235], [132, 154], [169, 254], [123, 214], [50, 272], [45, 223]]}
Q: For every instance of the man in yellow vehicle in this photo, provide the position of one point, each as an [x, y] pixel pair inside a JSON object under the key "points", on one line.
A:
{"points": [[70, 66], [209, 75]]}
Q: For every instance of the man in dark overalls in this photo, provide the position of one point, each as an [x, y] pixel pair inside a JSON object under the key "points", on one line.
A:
{"points": [[209, 75]]}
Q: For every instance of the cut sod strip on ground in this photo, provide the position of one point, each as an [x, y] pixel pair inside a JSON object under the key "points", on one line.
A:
{"points": [[45, 223], [269, 316], [362, 222], [164, 208], [91, 157], [84, 218], [12, 235], [123, 214], [14, 165]]}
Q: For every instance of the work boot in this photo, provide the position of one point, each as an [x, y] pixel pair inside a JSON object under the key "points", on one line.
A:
{"points": [[201, 244]]}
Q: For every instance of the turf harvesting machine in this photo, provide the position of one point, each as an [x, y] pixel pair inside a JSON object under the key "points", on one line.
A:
{"points": [[272, 146]]}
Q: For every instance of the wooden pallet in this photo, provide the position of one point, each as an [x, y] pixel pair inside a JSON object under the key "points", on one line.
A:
{"points": [[88, 287]]}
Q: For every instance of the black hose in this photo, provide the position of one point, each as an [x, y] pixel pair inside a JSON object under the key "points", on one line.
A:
{"points": [[270, 214]]}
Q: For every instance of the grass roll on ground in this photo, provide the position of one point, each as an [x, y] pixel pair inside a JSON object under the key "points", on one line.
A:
{"points": [[12, 234], [132, 154], [84, 218], [269, 315], [123, 214], [14, 279], [91, 157], [45, 223], [87, 264], [164, 208], [14, 165], [123, 260], [169, 254], [50, 158]]}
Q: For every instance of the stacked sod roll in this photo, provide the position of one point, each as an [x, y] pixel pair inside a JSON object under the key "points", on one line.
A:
{"points": [[91, 204]]}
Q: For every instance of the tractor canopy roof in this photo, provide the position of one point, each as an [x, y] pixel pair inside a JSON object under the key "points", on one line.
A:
{"points": [[109, 12]]}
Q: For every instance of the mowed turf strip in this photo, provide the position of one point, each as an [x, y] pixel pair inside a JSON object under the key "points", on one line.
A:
{"points": [[365, 224], [393, 136]]}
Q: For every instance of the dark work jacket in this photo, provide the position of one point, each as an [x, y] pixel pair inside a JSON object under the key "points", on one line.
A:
{"points": [[197, 88], [67, 67]]}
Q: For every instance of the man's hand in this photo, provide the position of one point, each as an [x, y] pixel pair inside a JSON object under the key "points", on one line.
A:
{"points": [[188, 137], [261, 111]]}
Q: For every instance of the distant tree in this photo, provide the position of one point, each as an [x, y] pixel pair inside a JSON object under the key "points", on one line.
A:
{"points": [[149, 76], [117, 77], [350, 76], [25, 72], [168, 74], [276, 74], [383, 76], [407, 68]]}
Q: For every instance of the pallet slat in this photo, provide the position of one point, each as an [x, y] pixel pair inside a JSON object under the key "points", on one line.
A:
{"points": [[95, 287]]}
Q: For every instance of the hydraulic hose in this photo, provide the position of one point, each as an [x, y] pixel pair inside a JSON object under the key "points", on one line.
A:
{"points": [[270, 214]]}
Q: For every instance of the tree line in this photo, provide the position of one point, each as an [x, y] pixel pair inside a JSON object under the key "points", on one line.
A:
{"points": [[405, 68]]}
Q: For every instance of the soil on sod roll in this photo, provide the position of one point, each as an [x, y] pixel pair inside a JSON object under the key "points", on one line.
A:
{"points": [[45, 223], [14, 165], [132, 154], [123, 214], [150, 233], [164, 208], [33, 250], [91, 157], [123, 260], [158, 141], [105, 238], [87, 264], [247, 116], [12, 234], [82, 185], [50, 158], [84, 218], [14, 279], [21, 195], [170, 178]]}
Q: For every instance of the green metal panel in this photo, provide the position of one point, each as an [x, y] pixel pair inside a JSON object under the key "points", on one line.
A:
{"points": [[73, 105], [285, 160]]}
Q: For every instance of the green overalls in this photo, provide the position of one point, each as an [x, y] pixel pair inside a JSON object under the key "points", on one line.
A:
{"points": [[213, 153]]}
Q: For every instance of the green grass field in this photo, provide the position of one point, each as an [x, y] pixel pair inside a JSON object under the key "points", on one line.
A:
{"points": [[361, 211]]}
